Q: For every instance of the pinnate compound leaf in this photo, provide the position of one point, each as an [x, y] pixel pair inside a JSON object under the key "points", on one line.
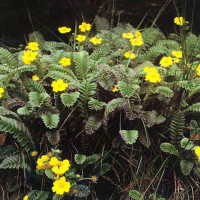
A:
{"points": [[80, 191]]}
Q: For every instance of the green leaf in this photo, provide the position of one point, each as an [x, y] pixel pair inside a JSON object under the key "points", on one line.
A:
{"points": [[94, 104], [26, 110], [79, 159], [50, 120], [93, 124], [81, 63], [165, 91], [81, 191], [19, 130], [195, 107], [49, 173], [38, 195], [102, 169], [37, 99], [127, 90], [169, 148], [7, 58], [91, 159], [135, 195], [69, 99], [187, 144], [186, 166], [12, 162], [53, 137], [130, 136]]}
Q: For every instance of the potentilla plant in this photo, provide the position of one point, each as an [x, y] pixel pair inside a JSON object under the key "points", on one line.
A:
{"points": [[149, 79]]}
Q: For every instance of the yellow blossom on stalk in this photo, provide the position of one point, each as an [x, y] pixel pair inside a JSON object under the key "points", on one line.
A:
{"points": [[198, 70], [25, 198], [81, 38], [149, 69], [49, 154], [34, 153], [35, 78], [64, 29], [53, 161], [177, 54], [138, 35], [59, 85], [176, 60], [115, 89], [42, 162], [136, 41], [127, 35], [1, 91], [28, 57], [95, 40], [179, 21], [61, 167], [94, 179], [84, 27], [197, 152], [33, 46], [110, 61], [153, 77], [166, 61], [65, 62], [129, 54], [61, 185]]}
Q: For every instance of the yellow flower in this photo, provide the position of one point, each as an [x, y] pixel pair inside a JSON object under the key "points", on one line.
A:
{"points": [[95, 40], [65, 62], [177, 54], [61, 168], [110, 61], [150, 69], [176, 60], [64, 29], [138, 35], [25, 198], [34, 153], [43, 66], [1, 91], [42, 162], [115, 89], [60, 186], [81, 38], [35, 78], [29, 57], [84, 27], [49, 154], [136, 41], [129, 54], [153, 77], [33, 46], [53, 161], [59, 85], [166, 61], [94, 179], [127, 35], [197, 152], [179, 21], [198, 70]]}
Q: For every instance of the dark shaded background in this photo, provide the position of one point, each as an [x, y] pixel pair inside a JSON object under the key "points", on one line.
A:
{"points": [[18, 18]]}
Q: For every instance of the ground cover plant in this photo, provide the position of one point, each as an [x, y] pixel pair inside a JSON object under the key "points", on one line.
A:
{"points": [[113, 114]]}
